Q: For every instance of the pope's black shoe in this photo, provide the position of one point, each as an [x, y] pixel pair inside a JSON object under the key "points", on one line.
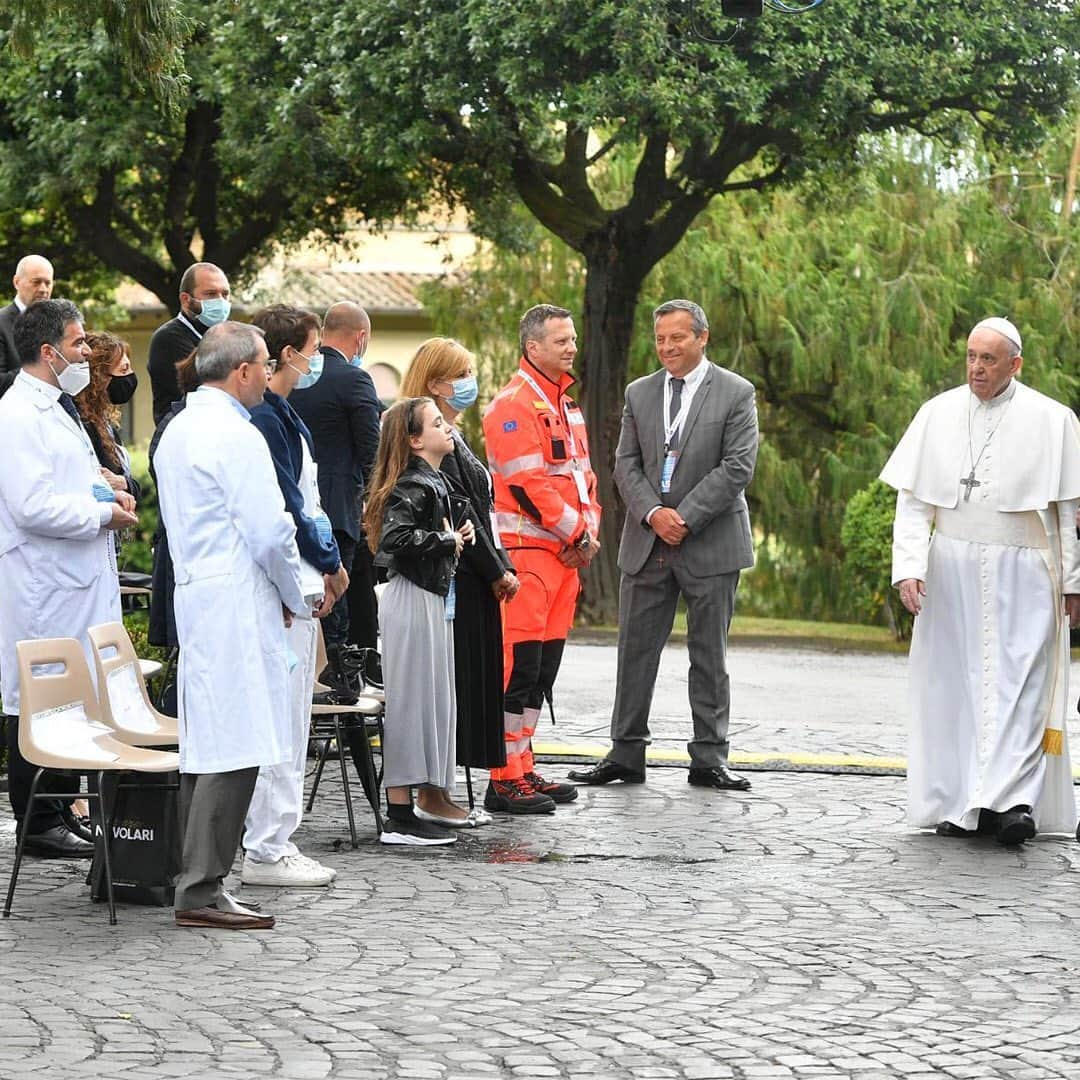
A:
{"points": [[605, 772], [1015, 826], [947, 828], [719, 776]]}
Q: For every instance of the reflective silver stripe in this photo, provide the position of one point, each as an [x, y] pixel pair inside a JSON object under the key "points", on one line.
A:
{"points": [[568, 522], [518, 464], [520, 525]]}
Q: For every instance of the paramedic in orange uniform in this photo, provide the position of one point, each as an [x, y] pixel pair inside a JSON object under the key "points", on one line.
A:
{"points": [[548, 519]]}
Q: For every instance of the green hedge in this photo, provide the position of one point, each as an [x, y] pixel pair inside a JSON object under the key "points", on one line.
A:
{"points": [[867, 567]]}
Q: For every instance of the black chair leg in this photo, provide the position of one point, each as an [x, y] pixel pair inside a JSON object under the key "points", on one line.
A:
{"points": [[371, 781], [345, 782], [324, 752], [22, 843], [106, 844], [468, 787]]}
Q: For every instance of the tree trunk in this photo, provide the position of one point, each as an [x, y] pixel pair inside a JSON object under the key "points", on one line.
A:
{"points": [[611, 293], [1070, 180]]}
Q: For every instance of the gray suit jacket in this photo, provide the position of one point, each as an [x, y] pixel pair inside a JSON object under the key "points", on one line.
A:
{"points": [[718, 449]]}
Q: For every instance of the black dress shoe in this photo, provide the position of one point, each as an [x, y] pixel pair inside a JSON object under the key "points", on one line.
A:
{"points": [[59, 842], [1015, 826], [605, 772], [82, 827], [719, 776], [947, 828]]}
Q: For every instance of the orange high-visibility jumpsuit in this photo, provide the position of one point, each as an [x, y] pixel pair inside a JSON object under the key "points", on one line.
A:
{"points": [[545, 500]]}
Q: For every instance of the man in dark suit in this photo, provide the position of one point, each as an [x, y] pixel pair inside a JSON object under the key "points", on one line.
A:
{"points": [[342, 412], [33, 281], [204, 302], [686, 454]]}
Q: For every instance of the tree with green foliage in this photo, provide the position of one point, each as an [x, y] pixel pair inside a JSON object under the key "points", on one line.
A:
{"points": [[133, 186], [149, 34], [847, 309], [485, 102]]}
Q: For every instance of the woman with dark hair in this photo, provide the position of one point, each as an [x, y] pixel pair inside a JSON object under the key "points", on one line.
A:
{"points": [[112, 384]]}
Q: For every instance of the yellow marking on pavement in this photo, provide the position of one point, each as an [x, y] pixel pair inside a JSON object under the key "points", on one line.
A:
{"points": [[662, 755]]}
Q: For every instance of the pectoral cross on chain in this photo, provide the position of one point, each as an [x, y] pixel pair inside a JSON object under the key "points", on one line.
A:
{"points": [[969, 482]]}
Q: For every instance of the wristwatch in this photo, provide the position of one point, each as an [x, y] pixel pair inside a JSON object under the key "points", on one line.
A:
{"points": [[584, 542]]}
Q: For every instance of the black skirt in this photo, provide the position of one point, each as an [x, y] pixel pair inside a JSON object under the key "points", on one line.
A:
{"points": [[478, 674]]}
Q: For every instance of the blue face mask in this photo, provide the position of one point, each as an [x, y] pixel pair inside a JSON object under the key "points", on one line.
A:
{"points": [[310, 377], [358, 357], [465, 393], [214, 311]]}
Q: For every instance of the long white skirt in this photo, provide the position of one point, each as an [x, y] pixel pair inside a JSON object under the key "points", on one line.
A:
{"points": [[420, 725], [987, 668]]}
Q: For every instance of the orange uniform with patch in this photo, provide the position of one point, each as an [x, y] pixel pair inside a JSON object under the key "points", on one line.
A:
{"points": [[545, 500]]}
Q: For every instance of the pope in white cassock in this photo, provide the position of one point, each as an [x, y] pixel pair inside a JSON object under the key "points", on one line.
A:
{"points": [[985, 554], [237, 573]]}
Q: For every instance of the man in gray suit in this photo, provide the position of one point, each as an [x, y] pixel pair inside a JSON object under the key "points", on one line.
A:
{"points": [[686, 454]]}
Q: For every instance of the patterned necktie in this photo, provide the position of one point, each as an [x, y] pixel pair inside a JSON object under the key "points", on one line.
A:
{"points": [[674, 406], [67, 403]]}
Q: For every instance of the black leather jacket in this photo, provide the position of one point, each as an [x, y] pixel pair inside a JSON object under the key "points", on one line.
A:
{"points": [[413, 541]]}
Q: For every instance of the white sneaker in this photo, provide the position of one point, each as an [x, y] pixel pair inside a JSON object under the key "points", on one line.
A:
{"points": [[315, 864], [288, 872]]}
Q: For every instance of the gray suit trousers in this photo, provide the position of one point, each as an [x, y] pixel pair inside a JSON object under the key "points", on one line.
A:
{"points": [[213, 807], [647, 603]]}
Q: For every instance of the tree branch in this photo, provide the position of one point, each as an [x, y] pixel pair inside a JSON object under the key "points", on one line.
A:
{"points": [[93, 224]]}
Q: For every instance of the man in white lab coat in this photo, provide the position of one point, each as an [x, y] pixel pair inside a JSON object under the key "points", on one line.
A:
{"points": [[57, 579], [238, 582]]}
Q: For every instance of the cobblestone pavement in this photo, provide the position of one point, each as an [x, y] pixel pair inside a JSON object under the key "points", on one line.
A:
{"points": [[783, 700], [797, 930]]}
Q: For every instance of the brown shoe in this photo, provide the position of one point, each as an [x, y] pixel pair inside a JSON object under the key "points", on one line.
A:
{"points": [[212, 918]]}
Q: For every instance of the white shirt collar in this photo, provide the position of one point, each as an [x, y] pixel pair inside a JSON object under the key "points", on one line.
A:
{"points": [[692, 378], [238, 406], [1003, 398], [40, 386], [20, 305]]}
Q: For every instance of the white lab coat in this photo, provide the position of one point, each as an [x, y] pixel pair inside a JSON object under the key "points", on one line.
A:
{"points": [[56, 579], [235, 561]]}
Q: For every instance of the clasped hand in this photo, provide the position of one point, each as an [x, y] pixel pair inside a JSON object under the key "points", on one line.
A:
{"points": [[669, 526]]}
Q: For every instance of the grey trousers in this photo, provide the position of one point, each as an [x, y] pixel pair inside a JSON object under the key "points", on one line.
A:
{"points": [[647, 603], [213, 807]]}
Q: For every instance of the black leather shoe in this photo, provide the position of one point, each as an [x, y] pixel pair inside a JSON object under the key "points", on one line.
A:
{"points": [[59, 842], [947, 828], [605, 772], [1015, 826], [82, 827], [719, 776]]}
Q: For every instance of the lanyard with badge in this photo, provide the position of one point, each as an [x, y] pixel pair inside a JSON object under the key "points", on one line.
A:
{"points": [[671, 456], [575, 467]]}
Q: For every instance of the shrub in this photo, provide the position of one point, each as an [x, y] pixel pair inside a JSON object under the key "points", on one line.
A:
{"points": [[867, 568]]}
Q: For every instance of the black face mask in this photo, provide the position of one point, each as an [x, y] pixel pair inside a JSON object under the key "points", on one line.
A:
{"points": [[122, 388]]}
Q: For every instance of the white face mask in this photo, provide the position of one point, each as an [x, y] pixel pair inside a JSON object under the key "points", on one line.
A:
{"points": [[75, 378]]}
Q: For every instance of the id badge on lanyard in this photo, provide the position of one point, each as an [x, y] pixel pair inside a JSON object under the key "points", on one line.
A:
{"points": [[582, 486], [671, 459]]}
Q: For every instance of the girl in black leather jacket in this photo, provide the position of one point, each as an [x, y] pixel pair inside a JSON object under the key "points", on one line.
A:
{"points": [[410, 526]]}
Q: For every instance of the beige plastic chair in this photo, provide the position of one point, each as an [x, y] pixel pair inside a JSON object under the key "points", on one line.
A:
{"points": [[60, 729], [326, 726], [125, 702]]}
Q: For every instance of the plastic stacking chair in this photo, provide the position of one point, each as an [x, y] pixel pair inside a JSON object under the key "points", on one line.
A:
{"points": [[60, 730], [327, 726], [125, 702]]}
